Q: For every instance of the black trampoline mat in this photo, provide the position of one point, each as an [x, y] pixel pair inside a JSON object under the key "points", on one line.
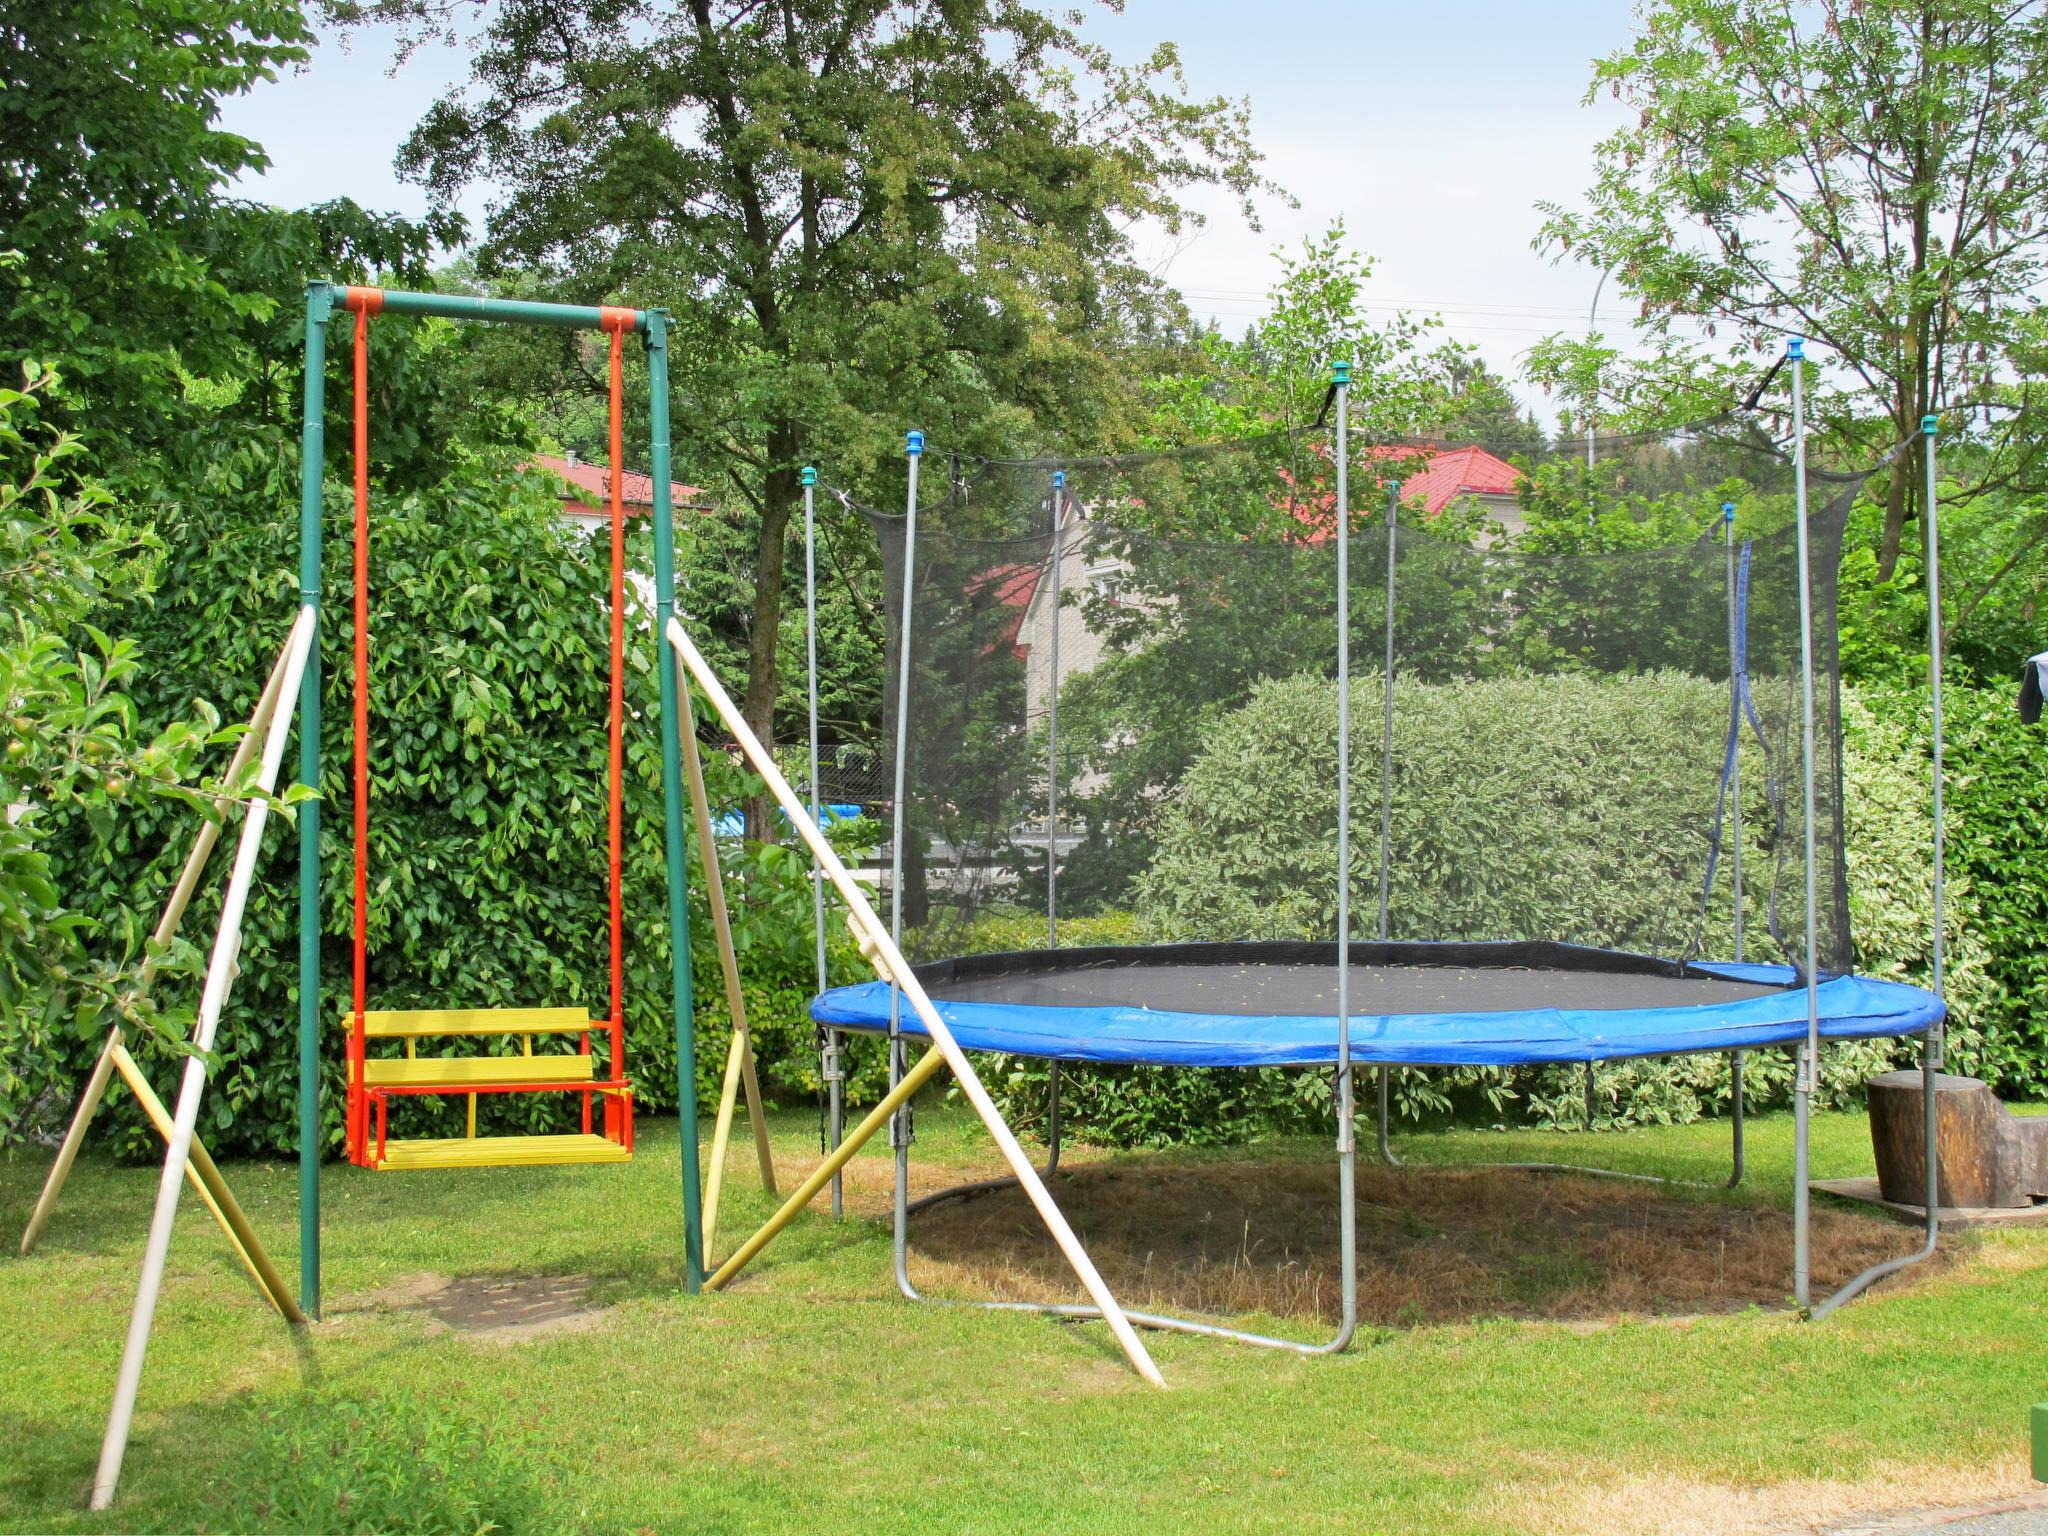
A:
{"points": [[1301, 979]]}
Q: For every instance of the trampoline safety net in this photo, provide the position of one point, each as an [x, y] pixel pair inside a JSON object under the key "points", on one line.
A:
{"points": [[1122, 710]]}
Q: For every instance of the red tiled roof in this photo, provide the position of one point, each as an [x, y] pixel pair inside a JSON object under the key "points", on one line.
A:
{"points": [[1445, 475], [1459, 472], [592, 484], [1013, 586]]}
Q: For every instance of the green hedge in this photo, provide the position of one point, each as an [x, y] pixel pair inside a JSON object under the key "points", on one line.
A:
{"points": [[1998, 878], [1582, 841]]}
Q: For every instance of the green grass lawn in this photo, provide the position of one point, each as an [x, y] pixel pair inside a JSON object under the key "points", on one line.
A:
{"points": [[812, 1398]]}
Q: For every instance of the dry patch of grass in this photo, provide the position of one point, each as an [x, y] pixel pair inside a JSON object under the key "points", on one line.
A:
{"points": [[1674, 1505], [1435, 1245]]}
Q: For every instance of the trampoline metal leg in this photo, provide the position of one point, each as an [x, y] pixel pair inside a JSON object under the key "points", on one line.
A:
{"points": [[975, 1187], [835, 1112], [1735, 1114], [1590, 1096], [1385, 1097], [1347, 1211], [899, 1135], [1347, 1194], [1930, 1066], [1802, 1192], [1052, 1120]]}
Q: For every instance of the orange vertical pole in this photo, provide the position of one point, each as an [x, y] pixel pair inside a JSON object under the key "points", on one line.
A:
{"points": [[365, 302], [619, 320]]}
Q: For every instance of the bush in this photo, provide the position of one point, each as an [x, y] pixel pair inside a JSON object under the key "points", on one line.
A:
{"points": [[76, 754], [1249, 847], [1997, 891], [1584, 841]]}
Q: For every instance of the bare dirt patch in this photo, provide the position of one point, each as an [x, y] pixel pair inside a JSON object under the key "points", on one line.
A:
{"points": [[1435, 1245], [498, 1309]]}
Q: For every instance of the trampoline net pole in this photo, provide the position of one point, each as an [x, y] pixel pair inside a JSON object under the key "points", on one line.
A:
{"points": [[1809, 1051], [1735, 766], [1734, 832], [1052, 719], [1383, 1077], [1347, 1197], [900, 1123], [1387, 713]]}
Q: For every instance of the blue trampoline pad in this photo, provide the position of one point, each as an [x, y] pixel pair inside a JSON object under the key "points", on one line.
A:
{"points": [[1442, 1005]]}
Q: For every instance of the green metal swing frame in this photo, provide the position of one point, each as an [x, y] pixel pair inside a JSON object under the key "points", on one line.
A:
{"points": [[324, 300]]}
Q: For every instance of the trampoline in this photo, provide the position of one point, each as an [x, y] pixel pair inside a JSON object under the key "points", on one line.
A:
{"points": [[1587, 736], [1412, 1005]]}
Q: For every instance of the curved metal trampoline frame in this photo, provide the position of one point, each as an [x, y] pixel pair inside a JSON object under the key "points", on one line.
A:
{"points": [[1342, 1084]]}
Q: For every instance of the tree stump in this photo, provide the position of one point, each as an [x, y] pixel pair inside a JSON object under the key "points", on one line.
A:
{"points": [[1984, 1156]]}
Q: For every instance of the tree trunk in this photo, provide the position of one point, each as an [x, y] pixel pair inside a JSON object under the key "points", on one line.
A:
{"points": [[1894, 520], [779, 491], [1899, 497]]}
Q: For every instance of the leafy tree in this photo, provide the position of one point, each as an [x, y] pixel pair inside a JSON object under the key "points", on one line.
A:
{"points": [[170, 307], [76, 751], [1277, 377], [1870, 174], [864, 215], [1482, 409], [110, 154]]}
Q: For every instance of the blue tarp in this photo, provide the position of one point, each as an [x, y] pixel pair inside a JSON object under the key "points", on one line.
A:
{"points": [[734, 823], [1851, 1008]]}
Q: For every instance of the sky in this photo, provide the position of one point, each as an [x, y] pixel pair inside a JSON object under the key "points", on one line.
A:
{"points": [[1430, 128]]}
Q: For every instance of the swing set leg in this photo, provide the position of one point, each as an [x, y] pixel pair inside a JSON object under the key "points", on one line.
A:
{"points": [[200, 1170], [74, 1138], [114, 1055], [739, 1056]]}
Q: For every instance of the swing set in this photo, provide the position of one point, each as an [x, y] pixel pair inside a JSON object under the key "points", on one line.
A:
{"points": [[596, 1078]]}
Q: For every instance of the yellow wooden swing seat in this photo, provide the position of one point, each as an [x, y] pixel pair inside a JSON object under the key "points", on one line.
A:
{"points": [[380, 1078]]}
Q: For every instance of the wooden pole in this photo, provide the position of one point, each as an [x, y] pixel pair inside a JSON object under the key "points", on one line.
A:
{"points": [[213, 1190], [806, 1192], [205, 1177], [74, 1138], [220, 975], [883, 954], [739, 1056], [721, 1139]]}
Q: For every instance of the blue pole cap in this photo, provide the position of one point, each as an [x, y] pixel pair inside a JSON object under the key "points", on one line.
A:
{"points": [[810, 475], [1340, 373], [1727, 511], [1059, 477], [914, 444], [1928, 424], [1795, 348]]}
